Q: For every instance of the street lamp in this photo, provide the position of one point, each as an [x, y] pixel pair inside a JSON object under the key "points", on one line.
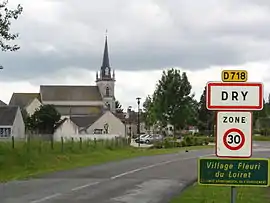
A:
{"points": [[129, 112], [138, 126]]}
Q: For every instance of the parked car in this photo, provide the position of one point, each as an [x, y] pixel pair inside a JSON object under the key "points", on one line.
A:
{"points": [[139, 138], [151, 138]]}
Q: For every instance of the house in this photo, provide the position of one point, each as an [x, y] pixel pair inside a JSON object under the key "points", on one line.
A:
{"points": [[11, 122], [70, 100], [99, 124], [29, 102], [131, 121]]}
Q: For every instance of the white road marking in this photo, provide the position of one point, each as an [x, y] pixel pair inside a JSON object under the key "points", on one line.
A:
{"points": [[46, 198], [84, 186], [154, 165], [118, 176]]}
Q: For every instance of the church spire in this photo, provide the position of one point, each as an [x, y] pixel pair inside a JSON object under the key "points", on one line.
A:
{"points": [[105, 70], [105, 61]]}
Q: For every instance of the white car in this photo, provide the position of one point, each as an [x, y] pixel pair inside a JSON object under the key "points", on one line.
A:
{"points": [[151, 138]]}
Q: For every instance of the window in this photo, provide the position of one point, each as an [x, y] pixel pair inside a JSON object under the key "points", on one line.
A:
{"points": [[5, 132], [107, 91], [98, 131], [108, 106]]}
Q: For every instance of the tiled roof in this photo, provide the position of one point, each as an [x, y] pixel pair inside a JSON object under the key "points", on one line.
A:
{"points": [[7, 114], [2, 103], [85, 121], [69, 93], [23, 99]]}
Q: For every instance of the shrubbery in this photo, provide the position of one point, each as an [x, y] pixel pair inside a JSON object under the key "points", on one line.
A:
{"points": [[187, 141]]}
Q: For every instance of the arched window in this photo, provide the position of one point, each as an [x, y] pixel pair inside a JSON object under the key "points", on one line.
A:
{"points": [[107, 91]]}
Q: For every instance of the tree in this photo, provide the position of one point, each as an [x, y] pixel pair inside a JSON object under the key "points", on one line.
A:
{"points": [[6, 15], [260, 114], [205, 116], [118, 107], [148, 112], [44, 119], [171, 99]]}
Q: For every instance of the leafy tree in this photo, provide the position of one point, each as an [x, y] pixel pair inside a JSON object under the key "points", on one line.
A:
{"points": [[171, 99], [6, 15], [118, 107], [260, 114], [192, 108], [205, 116], [44, 119], [148, 112], [24, 114]]}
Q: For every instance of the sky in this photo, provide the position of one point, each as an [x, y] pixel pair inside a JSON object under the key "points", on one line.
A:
{"points": [[62, 42]]}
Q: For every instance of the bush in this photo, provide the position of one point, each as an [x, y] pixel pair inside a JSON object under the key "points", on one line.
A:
{"points": [[256, 131], [189, 140], [158, 145], [183, 143], [167, 142], [265, 131]]}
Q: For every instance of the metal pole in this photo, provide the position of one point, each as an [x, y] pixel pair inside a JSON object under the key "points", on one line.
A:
{"points": [[138, 127], [233, 194]]}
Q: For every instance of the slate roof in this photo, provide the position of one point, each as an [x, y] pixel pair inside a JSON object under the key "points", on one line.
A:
{"points": [[2, 103], [69, 93], [7, 114], [85, 121], [23, 99]]}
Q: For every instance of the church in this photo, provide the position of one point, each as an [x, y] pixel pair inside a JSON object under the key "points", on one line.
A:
{"points": [[74, 100]]}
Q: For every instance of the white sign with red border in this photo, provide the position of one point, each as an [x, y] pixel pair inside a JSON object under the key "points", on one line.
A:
{"points": [[234, 134], [234, 96]]}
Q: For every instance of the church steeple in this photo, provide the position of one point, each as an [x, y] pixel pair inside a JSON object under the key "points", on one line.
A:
{"points": [[105, 70]]}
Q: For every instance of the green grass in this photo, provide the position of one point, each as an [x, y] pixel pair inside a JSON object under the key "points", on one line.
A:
{"points": [[217, 194], [36, 158], [261, 138]]}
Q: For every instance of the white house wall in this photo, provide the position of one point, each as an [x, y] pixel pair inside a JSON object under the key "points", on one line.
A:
{"points": [[33, 106], [18, 128], [115, 125], [66, 130]]}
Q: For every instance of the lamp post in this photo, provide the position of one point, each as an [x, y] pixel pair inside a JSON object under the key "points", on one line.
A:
{"points": [[138, 126], [128, 111]]}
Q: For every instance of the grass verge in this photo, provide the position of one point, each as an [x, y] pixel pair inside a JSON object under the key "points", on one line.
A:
{"points": [[261, 138], [212, 194], [36, 158]]}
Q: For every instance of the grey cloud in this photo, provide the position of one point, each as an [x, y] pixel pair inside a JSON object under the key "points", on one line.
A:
{"points": [[170, 33]]}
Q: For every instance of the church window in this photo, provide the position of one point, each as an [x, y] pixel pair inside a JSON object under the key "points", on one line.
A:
{"points": [[107, 91]]}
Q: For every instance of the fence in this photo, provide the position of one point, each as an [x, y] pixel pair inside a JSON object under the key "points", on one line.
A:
{"points": [[78, 143]]}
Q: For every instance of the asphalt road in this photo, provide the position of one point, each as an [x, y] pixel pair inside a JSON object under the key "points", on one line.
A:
{"points": [[140, 180]]}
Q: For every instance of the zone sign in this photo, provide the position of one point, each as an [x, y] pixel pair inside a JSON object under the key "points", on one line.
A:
{"points": [[234, 96], [234, 130]]}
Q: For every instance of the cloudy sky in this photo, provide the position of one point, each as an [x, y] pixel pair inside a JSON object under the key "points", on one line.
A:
{"points": [[62, 43]]}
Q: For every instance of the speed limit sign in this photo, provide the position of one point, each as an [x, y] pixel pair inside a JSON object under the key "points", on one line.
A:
{"points": [[234, 130]]}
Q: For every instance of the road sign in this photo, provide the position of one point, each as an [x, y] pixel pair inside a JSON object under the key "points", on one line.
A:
{"points": [[234, 96], [234, 75], [233, 172], [234, 134]]}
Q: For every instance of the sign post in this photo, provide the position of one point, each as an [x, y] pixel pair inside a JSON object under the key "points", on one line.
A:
{"points": [[234, 99]]}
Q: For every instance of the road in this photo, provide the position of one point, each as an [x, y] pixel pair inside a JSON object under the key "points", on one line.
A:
{"points": [[140, 180]]}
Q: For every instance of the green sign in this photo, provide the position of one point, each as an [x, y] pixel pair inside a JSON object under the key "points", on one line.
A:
{"points": [[233, 172]]}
